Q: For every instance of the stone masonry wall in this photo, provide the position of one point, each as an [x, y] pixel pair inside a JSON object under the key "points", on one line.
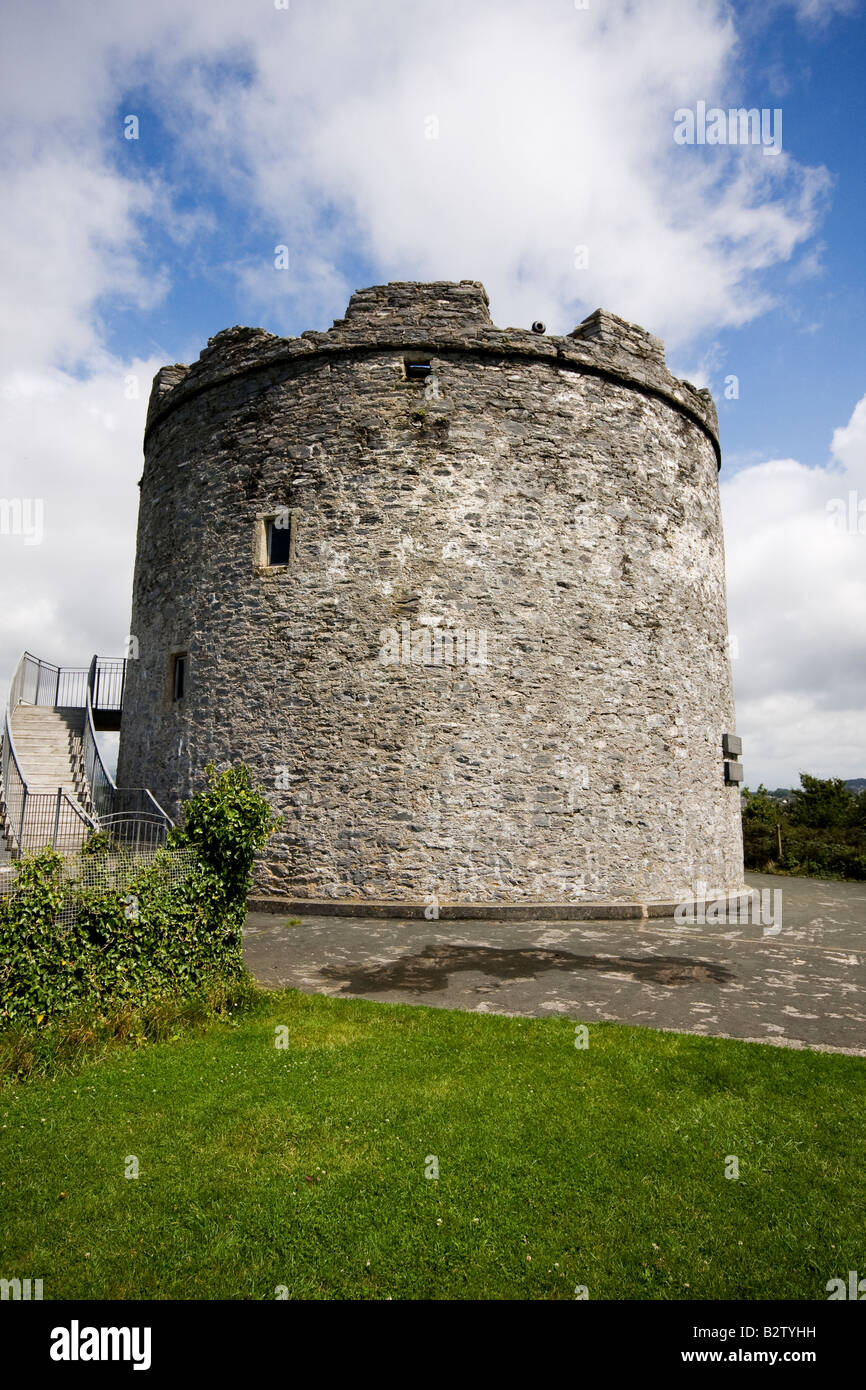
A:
{"points": [[553, 498]]}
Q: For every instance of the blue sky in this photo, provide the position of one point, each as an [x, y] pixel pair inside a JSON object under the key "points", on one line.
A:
{"points": [[310, 127], [802, 364]]}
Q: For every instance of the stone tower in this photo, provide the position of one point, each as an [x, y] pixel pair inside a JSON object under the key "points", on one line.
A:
{"points": [[456, 594]]}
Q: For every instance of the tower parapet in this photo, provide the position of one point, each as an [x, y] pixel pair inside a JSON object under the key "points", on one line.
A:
{"points": [[450, 318]]}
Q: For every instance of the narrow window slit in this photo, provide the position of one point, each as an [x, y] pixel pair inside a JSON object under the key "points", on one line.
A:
{"points": [[279, 539], [417, 371], [178, 676]]}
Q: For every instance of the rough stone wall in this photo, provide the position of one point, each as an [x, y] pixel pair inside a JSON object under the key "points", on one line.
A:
{"points": [[555, 498]]}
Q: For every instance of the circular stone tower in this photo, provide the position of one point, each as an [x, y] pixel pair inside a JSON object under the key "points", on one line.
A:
{"points": [[456, 595]]}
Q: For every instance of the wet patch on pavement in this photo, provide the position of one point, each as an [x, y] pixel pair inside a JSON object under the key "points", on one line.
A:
{"points": [[430, 969]]}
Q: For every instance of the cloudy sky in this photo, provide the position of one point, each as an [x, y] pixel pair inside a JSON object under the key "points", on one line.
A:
{"points": [[486, 140]]}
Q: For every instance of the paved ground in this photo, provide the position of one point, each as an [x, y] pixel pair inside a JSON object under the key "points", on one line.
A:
{"points": [[798, 981]]}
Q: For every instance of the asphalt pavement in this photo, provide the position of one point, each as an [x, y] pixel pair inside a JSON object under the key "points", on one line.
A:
{"points": [[794, 974]]}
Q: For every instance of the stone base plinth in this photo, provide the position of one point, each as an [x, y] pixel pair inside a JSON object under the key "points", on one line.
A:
{"points": [[734, 901]]}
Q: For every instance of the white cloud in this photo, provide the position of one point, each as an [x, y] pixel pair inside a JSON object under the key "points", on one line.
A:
{"points": [[76, 446], [797, 605], [812, 14], [555, 129], [68, 236]]}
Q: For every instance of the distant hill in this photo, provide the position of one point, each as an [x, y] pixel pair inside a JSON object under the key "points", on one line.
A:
{"points": [[855, 784]]}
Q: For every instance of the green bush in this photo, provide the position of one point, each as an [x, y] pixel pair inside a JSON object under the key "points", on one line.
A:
{"points": [[156, 938], [97, 845], [226, 825], [153, 940]]}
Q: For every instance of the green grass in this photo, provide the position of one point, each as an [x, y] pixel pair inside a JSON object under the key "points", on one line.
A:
{"points": [[304, 1167], [70, 1043]]}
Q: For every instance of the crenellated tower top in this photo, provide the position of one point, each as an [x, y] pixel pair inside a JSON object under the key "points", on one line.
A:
{"points": [[442, 317]]}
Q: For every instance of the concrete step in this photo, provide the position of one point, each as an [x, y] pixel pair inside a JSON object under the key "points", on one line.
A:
{"points": [[34, 741], [48, 744], [44, 786], [53, 744], [44, 714], [40, 745], [39, 753]]}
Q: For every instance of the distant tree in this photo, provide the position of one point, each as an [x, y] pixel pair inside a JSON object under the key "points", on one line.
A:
{"points": [[823, 824], [822, 802], [760, 808]]}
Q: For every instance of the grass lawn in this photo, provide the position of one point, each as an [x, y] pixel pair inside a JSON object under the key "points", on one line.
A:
{"points": [[305, 1167]]}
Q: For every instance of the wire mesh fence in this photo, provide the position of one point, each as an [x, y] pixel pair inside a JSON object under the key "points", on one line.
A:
{"points": [[115, 872]]}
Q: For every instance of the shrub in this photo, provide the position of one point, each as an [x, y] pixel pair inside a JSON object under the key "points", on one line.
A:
{"points": [[226, 825], [65, 946], [807, 851], [97, 845], [819, 830]]}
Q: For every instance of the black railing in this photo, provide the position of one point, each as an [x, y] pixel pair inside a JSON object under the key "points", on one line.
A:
{"points": [[53, 818], [31, 820], [14, 789], [43, 819], [39, 682], [126, 813], [106, 682], [137, 831]]}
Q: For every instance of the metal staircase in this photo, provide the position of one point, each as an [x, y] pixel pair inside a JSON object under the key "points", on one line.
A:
{"points": [[54, 787]]}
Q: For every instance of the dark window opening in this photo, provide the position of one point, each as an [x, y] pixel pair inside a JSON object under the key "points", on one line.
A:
{"points": [[178, 676], [417, 371], [279, 539]]}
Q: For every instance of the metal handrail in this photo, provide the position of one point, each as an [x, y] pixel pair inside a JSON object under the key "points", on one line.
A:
{"points": [[42, 683], [103, 787], [13, 799], [63, 795], [139, 828], [38, 682], [151, 798], [106, 682], [99, 779], [139, 801], [104, 792]]}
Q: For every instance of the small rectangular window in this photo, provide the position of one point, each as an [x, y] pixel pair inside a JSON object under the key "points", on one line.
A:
{"points": [[178, 676], [275, 540], [279, 536]]}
